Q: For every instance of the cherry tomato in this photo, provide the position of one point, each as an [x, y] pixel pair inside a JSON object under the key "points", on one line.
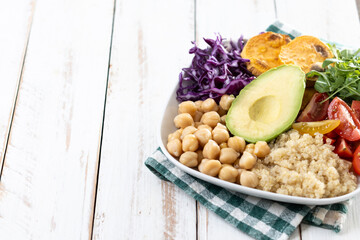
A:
{"points": [[315, 110], [355, 106], [343, 149], [349, 127], [356, 161], [311, 128]]}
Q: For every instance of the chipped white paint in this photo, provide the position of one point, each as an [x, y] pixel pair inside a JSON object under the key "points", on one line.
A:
{"points": [[47, 188], [150, 44], [15, 24]]}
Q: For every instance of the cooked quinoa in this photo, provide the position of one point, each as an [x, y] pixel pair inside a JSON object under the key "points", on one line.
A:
{"points": [[302, 165]]}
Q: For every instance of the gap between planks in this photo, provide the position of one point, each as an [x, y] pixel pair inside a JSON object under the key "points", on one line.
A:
{"points": [[11, 118], [103, 121]]}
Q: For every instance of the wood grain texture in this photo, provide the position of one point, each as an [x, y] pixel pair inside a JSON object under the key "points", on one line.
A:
{"points": [[336, 21], [15, 24], [150, 44], [47, 187]]}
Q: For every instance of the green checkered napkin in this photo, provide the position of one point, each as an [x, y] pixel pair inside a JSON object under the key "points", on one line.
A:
{"points": [[259, 218]]}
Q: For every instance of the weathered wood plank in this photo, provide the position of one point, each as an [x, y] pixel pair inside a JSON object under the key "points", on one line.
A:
{"points": [[332, 20], [150, 45], [232, 18], [335, 21], [15, 23], [48, 183]]}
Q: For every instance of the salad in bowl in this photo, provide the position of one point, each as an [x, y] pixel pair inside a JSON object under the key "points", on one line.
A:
{"points": [[270, 116]]}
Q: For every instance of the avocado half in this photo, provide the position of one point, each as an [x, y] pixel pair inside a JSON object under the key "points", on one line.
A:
{"points": [[268, 105]]}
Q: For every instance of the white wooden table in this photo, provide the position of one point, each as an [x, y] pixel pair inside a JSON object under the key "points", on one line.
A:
{"points": [[81, 85]]}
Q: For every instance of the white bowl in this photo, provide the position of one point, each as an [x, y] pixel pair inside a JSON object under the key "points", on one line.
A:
{"points": [[167, 126]]}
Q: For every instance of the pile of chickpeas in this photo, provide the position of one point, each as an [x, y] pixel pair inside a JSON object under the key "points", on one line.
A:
{"points": [[202, 141]]}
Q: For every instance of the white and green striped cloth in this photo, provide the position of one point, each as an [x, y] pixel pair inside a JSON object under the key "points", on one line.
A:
{"points": [[259, 218]]}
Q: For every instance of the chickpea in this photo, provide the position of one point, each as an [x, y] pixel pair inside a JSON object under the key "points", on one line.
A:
{"points": [[223, 119], [228, 173], [211, 150], [183, 120], [226, 101], [197, 116], [250, 148], [187, 107], [188, 130], [198, 104], [221, 111], [190, 143], [210, 167], [203, 135], [209, 105], [223, 145], [200, 156], [228, 155], [189, 159], [210, 118], [261, 149], [174, 147], [247, 160], [205, 126], [249, 179], [239, 175], [237, 143], [220, 135], [175, 135], [220, 126]]}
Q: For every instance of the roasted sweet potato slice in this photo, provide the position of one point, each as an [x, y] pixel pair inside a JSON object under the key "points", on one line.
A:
{"points": [[263, 51], [304, 51]]}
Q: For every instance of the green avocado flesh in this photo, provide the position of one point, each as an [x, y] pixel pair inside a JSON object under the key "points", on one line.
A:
{"points": [[268, 105]]}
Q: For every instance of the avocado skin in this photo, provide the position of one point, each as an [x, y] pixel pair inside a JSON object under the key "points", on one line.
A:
{"points": [[279, 88]]}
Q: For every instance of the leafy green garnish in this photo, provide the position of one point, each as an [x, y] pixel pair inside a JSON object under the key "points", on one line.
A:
{"points": [[341, 76]]}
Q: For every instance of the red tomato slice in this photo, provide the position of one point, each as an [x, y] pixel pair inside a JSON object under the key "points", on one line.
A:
{"points": [[315, 110], [349, 127], [342, 149], [355, 106], [356, 161], [332, 135]]}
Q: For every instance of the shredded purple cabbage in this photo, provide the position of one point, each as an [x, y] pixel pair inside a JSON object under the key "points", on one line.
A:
{"points": [[214, 71]]}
